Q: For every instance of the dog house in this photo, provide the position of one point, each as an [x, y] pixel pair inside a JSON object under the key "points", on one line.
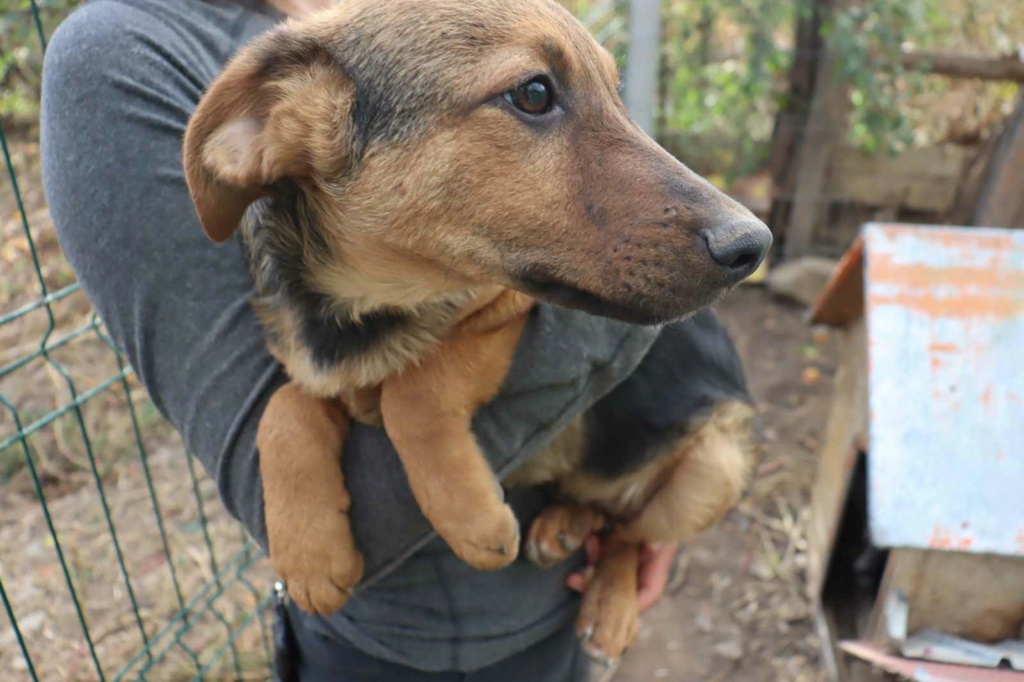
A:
{"points": [[917, 514]]}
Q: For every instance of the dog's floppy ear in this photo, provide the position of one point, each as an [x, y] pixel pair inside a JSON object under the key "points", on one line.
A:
{"points": [[279, 110]]}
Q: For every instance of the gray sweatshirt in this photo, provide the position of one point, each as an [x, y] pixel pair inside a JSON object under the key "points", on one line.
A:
{"points": [[121, 78]]}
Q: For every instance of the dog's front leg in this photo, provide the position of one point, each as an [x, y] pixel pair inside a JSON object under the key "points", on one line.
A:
{"points": [[306, 505], [427, 414], [609, 619]]}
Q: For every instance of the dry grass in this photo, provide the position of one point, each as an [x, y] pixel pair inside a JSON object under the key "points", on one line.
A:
{"points": [[34, 579]]}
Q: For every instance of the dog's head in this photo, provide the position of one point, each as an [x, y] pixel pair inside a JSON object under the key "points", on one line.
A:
{"points": [[467, 141]]}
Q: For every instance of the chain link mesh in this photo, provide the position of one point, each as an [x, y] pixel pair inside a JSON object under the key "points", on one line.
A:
{"points": [[117, 561]]}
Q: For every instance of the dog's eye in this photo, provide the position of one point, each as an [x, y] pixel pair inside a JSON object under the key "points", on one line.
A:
{"points": [[533, 97]]}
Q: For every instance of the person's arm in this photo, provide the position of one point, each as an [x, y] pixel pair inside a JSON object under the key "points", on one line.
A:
{"points": [[119, 86]]}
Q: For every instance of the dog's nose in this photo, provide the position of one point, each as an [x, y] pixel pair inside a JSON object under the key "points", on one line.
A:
{"points": [[739, 247]]}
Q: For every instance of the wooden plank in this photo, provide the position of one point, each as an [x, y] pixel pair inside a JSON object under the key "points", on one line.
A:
{"points": [[842, 299], [900, 569], [1001, 201], [840, 667], [847, 424], [976, 596], [970, 186], [1006, 68], [825, 127], [791, 120], [924, 179]]}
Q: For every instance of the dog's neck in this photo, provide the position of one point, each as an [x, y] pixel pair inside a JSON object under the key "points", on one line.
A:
{"points": [[326, 316], [358, 275]]}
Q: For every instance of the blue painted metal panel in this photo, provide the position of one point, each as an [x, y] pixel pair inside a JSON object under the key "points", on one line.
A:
{"points": [[945, 322]]}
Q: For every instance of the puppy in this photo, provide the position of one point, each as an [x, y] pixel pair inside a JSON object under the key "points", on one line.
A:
{"points": [[408, 177]]}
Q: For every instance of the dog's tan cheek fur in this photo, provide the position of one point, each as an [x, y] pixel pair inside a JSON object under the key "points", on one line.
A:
{"points": [[469, 192], [490, 195]]}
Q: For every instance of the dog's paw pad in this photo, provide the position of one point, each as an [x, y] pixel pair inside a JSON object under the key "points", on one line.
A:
{"points": [[559, 531], [609, 622], [319, 570], [323, 591], [490, 542], [318, 594]]}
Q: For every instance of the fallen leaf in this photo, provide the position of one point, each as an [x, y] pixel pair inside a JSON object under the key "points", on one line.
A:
{"points": [[810, 376]]}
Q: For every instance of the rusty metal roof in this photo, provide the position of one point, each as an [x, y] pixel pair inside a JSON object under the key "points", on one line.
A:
{"points": [[925, 671]]}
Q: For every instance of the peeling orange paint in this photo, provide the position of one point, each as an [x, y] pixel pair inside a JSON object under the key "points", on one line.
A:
{"points": [[944, 314], [976, 291], [885, 268], [954, 238], [965, 245], [943, 538], [940, 539], [986, 399], [963, 306]]}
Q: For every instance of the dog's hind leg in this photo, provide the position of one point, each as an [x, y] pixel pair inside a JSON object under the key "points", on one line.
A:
{"points": [[305, 502], [427, 413], [713, 467], [709, 468]]}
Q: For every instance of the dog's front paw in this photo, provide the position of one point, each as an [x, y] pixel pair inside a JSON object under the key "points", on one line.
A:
{"points": [[609, 619], [486, 541], [559, 531], [319, 562]]}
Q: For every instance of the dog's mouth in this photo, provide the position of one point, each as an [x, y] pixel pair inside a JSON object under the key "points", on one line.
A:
{"points": [[553, 290]]}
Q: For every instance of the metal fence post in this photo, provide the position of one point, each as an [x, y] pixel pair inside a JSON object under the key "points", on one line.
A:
{"points": [[642, 61]]}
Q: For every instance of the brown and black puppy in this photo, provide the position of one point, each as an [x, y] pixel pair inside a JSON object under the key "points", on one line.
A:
{"points": [[408, 176]]}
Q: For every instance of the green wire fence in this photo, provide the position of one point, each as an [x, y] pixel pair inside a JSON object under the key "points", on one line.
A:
{"points": [[117, 561]]}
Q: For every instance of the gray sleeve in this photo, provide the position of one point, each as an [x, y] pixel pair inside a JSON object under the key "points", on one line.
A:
{"points": [[119, 85]]}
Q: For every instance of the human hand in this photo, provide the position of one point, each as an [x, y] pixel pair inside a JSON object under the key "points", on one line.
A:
{"points": [[652, 573]]}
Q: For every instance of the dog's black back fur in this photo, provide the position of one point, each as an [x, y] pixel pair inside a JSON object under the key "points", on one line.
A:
{"points": [[692, 366]]}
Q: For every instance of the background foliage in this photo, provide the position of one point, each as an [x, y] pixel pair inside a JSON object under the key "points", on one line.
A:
{"points": [[21, 56], [723, 70], [725, 64]]}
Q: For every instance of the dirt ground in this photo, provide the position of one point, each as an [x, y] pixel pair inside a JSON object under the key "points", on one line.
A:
{"points": [[737, 610]]}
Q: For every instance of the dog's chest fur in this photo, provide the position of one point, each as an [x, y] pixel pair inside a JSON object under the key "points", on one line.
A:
{"points": [[325, 344]]}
